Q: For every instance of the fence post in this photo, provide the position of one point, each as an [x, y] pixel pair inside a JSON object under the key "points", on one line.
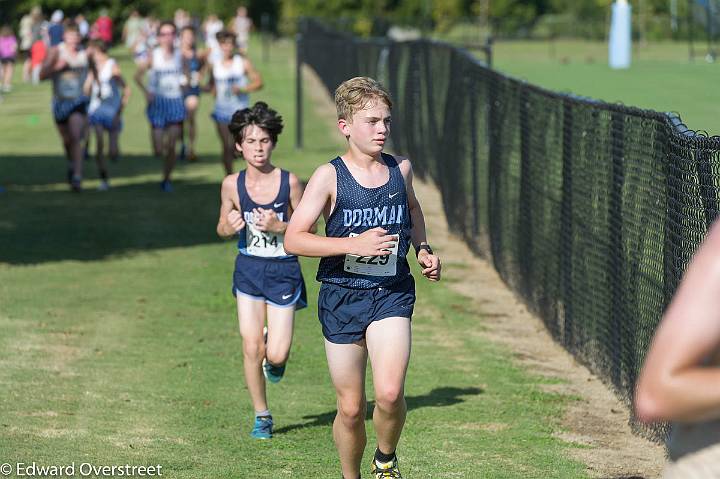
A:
{"points": [[298, 91], [525, 220], [566, 228], [474, 158], [616, 258]]}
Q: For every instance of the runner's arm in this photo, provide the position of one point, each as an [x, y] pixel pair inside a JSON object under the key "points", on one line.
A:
{"points": [[230, 221], [117, 74], [48, 66], [87, 86], [296, 193], [256, 81], [418, 235], [140, 76], [681, 376], [299, 240]]}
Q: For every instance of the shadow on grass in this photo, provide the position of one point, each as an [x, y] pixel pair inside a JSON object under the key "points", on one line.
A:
{"points": [[438, 397], [41, 225], [39, 170]]}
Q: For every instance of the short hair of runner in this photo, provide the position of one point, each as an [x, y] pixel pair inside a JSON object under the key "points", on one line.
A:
{"points": [[71, 27], [260, 115], [356, 94], [225, 35], [166, 23], [99, 44]]}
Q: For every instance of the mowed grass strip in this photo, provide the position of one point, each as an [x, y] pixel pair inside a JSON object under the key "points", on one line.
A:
{"points": [[119, 335], [660, 78]]}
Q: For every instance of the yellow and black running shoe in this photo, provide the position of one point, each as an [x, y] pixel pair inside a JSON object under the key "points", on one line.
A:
{"points": [[384, 470]]}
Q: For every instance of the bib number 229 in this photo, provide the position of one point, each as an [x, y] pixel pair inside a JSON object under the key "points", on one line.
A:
{"points": [[385, 265]]}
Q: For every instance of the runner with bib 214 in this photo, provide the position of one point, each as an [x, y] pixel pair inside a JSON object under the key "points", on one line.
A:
{"points": [[256, 205]]}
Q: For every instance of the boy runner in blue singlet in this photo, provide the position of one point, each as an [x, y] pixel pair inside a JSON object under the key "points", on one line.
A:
{"points": [[232, 78], [367, 294], [67, 66], [256, 205], [165, 104]]}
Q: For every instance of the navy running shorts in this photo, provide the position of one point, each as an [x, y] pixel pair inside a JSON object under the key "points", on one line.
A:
{"points": [[346, 313], [63, 109], [277, 282], [163, 112]]}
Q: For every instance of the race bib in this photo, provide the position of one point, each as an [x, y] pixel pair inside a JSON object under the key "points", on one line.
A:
{"points": [[264, 243], [169, 86], [68, 86], [372, 265]]}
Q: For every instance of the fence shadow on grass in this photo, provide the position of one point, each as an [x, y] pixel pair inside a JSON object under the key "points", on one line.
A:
{"points": [[40, 224], [438, 397]]}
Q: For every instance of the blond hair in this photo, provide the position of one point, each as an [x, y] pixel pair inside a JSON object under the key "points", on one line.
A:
{"points": [[356, 94]]}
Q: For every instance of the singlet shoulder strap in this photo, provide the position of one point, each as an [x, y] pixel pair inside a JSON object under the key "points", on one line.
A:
{"points": [[284, 193], [241, 187], [394, 167], [390, 160]]}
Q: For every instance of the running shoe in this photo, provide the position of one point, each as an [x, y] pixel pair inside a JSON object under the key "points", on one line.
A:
{"points": [[386, 469], [263, 427], [76, 184], [273, 373]]}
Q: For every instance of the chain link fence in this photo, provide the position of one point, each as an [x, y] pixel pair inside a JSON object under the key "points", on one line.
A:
{"points": [[590, 211]]}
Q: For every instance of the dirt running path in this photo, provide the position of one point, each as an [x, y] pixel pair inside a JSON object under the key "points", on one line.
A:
{"points": [[599, 421]]}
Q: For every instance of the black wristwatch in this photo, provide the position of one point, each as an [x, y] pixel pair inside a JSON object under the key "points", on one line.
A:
{"points": [[426, 247]]}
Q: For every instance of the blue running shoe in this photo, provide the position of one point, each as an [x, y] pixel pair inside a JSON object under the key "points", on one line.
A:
{"points": [[273, 373], [263, 428], [166, 186]]}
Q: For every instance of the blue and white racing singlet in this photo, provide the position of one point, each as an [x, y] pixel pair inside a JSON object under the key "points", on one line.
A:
{"points": [[68, 82], [166, 74], [264, 244], [226, 77], [358, 209]]}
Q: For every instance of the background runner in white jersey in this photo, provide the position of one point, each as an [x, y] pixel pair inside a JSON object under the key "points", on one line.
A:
{"points": [[232, 78]]}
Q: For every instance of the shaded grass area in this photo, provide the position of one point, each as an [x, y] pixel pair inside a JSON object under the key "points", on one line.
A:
{"points": [[119, 338]]}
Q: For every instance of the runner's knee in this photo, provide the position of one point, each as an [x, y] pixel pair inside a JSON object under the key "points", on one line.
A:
{"points": [[253, 348], [277, 356], [351, 412], [389, 397]]}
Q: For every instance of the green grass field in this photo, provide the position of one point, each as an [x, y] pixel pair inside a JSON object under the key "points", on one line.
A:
{"points": [[120, 344], [661, 76]]}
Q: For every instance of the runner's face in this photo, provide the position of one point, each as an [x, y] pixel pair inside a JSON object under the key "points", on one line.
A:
{"points": [[166, 36], [256, 146], [71, 38], [227, 46], [187, 38], [370, 127]]}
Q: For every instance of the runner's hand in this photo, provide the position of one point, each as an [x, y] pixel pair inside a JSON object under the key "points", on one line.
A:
{"points": [[267, 220], [60, 64], [235, 220], [431, 265], [373, 242]]}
